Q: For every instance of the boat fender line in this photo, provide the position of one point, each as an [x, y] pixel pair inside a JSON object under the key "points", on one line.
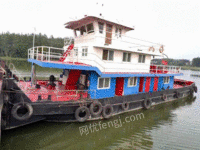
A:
{"points": [[147, 103], [195, 89], [161, 49], [164, 97], [82, 114], [96, 108], [125, 106], [107, 111], [22, 111], [176, 94]]}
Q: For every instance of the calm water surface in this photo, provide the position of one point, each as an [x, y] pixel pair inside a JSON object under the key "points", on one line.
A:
{"points": [[175, 125]]}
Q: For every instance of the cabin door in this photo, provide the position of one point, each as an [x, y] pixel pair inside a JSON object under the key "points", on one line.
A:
{"points": [[119, 88], [108, 34], [141, 84]]}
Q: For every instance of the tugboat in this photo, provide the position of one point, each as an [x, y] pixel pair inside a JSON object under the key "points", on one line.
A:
{"points": [[104, 73]]}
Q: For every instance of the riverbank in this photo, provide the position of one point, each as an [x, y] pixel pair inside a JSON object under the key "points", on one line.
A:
{"points": [[190, 68]]}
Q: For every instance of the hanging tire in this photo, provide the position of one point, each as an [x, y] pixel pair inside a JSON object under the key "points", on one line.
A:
{"points": [[82, 114], [191, 91], [176, 94], [107, 111], [164, 97], [125, 106], [96, 108], [22, 111], [195, 89], [146, 103]]}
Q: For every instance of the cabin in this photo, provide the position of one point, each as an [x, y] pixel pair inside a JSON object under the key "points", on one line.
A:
{"points": [[106, 62]]}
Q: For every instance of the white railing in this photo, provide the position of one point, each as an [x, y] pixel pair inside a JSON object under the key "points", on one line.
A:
{"points": [[45, 53], [164, 69]]}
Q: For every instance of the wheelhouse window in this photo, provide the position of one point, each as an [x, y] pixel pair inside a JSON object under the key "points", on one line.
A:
{"points": [[141, 59], [90, 28], [77, 32], [118, 32], [100, 27], [82, 30], [127, 57], [104, 83], [84, 51], [75, 51], [132, 81], [108, 55], [166, 80]]}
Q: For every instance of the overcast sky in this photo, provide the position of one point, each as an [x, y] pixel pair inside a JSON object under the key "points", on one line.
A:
{"points": [[173, 23]]}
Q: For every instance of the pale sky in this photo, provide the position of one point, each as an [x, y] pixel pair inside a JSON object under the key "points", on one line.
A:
{"points": [[173, 23]]}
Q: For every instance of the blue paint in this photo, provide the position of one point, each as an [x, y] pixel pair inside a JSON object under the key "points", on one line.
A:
{"points": [[100, 93], [160, 83], [170, 84], [131, 90], [151, 84]]}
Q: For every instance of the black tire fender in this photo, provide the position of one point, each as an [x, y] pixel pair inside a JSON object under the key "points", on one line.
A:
{"points": [[21, 117], [176, 94], [93, 106], [146, 103], [107, 111], [125, 106], [164, 97], [80, 110], [195, 89]]}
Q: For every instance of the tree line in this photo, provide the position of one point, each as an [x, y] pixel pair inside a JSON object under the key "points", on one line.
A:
{"points": [[17, 45]]}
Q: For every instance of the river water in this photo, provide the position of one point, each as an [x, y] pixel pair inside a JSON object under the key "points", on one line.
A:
{"points": [[174, 125]]}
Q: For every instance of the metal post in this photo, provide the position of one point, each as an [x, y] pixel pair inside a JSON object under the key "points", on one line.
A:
{"points": [[42, 54], [37, 53], [49, 54]]}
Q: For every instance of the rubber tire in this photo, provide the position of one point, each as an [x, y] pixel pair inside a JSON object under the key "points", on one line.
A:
{"points": [[24, 117], [93, 105], [164, 97], [177, 94], [195, 89], [146, 103], [125, 106], [82, 109], [191, 91], [105, 109]]}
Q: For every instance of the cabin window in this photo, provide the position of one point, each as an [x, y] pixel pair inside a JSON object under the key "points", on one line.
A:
{"points": [[77, 32], [90, 28], [108, 55], [132, 81], [118, 32], [166, 80], [84, 51], [83, 30], [141, 59], [75, 51], [104, 83], [100, 27], [127, 57]]}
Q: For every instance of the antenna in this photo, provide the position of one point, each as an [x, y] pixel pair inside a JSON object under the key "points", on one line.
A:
{"points": [[100, 14]]}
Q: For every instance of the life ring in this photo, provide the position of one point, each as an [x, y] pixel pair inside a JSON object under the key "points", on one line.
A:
{"points": [[125, 106], [147, 103], [22, 111], [195, 89], [96, 108], [107, 111], [176, 94], [82, 114], [151, 49], [164, 97], [161, 49]]}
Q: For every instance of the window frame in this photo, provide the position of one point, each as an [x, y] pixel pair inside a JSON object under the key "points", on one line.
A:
{"points": [[75, 51], [166, 79], [84, 54], [143, 58], [127, 56], [91, 30], [101, 30], [104, 83], [118, 32], [129, 85], [108, 56]]}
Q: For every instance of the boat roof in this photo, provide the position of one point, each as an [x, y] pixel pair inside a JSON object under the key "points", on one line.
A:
{"points": [[78, 23]]}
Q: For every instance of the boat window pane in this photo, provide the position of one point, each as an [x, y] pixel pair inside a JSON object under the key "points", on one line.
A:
{"points": [[124, 56], [90, 28], [143, 61], [140, 59], [83, 30], [107, 82], [135, 81], [101, 82], [100, 27], [105, 54], [111, 53], [129, 57]]}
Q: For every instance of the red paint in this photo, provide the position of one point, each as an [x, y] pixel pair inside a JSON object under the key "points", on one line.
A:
{"points": [[72, 79], [119, 86], [141, 84], [155, 87], [147, 84]]}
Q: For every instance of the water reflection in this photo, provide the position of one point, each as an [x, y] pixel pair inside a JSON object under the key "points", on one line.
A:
{"points": [[137, 134]]}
